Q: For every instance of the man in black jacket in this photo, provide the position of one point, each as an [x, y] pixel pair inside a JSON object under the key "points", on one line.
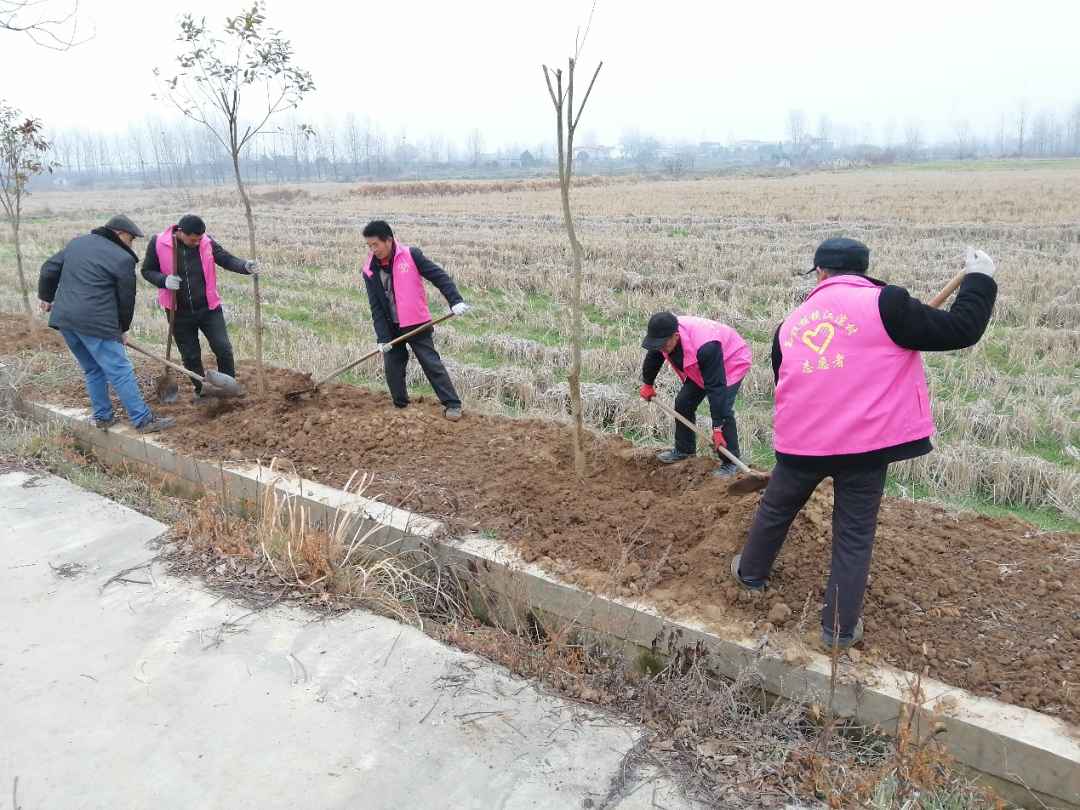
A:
{"points": [[88, 289], [192, 284], [851, 398], [394, 278]]}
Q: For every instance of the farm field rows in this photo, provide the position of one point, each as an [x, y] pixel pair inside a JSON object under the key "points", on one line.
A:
{"points": [[1006, 410]]}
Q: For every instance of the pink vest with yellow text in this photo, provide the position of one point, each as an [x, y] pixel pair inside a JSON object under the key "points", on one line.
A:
{"points": [[695, 333], [409, 293], [163, 245], [844, 386]]}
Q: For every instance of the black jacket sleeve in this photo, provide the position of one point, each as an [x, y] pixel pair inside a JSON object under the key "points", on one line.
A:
{"points": [[777, 356], [222, 258], [654, 361], [125, 296], [49, 277], [437, 276], [151, 267], [377, 301], [710, 358], [914, 325]]}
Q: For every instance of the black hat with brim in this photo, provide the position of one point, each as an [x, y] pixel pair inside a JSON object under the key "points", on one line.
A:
{"points": [[123, 223], [662, 326], [849, 255]]}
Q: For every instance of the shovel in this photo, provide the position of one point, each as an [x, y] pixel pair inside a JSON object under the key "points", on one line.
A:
{"points": [[226, 385], [743, 486], [338, 372], [166, 386]]}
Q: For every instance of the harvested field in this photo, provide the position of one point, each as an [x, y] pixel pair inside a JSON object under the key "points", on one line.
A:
{"points": [[987, 604]]}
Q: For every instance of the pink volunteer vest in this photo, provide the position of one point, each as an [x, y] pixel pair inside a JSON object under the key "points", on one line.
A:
{"points": [[844, 386], [409, 293], [695, 333], [163, 245]]}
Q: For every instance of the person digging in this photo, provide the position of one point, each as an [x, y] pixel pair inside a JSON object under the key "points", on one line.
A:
{"points": [[194, 282], [88, 289], [394, 279], [711, 359], [851, 398]]}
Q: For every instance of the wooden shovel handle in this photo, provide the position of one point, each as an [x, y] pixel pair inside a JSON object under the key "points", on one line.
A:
{"points": [[172, 311], [727, 453], [168, 363], [369, 355], [947, 290]]}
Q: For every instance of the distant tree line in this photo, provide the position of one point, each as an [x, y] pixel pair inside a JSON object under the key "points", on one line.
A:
{"points": [[165, 152]]}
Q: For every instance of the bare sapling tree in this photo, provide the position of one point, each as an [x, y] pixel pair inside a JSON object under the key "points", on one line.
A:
{"points": [[24, 152], [567, 119], [252, 62], [46, 24]]}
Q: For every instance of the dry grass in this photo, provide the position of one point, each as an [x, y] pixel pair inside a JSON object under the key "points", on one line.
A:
{"points": [[336, 565], [1007, 410]]}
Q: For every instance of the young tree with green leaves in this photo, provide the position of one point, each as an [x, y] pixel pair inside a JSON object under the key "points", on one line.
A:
{"points": [[24, 152], [248, 63], [566, 123]]}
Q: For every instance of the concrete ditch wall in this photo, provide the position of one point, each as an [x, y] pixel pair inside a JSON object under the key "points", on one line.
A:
{"points": [[1031, 759]]}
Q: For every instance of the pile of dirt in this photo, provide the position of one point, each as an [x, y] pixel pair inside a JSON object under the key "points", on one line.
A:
{"points": [[19, 336], [990, 605]]}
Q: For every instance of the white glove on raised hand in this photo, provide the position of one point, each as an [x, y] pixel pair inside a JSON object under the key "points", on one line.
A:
{"points": [[172, 283], [384, 347], [978, 262], [460, 309], [253, 266]]}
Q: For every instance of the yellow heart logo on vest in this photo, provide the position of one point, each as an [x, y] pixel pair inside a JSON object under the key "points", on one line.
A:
{"points": [[826, 338]]}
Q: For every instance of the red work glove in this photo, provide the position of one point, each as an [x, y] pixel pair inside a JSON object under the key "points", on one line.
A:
{"points": [[647, 392], [718, 439]]}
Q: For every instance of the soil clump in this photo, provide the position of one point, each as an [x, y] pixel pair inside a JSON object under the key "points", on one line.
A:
{"points": [[991, 605]]}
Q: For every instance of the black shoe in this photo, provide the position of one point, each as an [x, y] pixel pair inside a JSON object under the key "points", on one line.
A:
{"points": [[727, 469], [845, 639], [672, 456], [155, 423], [105, 424], [750, 586]]}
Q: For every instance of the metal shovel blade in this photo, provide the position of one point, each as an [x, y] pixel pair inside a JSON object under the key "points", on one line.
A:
{"points": [[747, 484], [226, 385], [166, 388]]}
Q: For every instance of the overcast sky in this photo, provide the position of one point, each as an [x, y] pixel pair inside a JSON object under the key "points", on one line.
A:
{"points": [[694, 71]]}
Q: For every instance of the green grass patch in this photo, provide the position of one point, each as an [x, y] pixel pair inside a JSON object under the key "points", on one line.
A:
{"points": [[1050, 521]]}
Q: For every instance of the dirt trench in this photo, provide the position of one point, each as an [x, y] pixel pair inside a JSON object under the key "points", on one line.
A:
{"points": [[987, 604]]}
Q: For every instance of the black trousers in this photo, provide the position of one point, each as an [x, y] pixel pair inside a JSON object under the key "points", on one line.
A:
{"points": [[857, 498], [686, 403], [211, 322], [396, 360]]}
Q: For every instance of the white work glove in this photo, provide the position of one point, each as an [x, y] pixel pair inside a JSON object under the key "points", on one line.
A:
{"points": [[253, 266], [460, 309], [384, 347], [172, 283], [978, 262]]}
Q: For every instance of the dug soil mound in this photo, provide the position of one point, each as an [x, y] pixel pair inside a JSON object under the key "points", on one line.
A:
{"points": [[990, 605], [18, 336]]}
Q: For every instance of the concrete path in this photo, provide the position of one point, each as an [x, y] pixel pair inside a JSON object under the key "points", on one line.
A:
{"points": [[148, 692]]}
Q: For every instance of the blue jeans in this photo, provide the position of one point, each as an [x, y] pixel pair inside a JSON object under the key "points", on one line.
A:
{"points": [[104, 362]]}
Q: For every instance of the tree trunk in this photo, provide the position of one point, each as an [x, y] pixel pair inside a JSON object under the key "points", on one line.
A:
{"points": [[254, 279], [574, 379], [22, 276]]}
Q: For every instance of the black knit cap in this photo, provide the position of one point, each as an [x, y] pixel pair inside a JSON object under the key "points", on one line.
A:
{"points": [[662, 326], [838, 253]]}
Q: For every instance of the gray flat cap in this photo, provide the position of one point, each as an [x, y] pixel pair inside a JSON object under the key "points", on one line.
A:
{"points": [[123, 223]]}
